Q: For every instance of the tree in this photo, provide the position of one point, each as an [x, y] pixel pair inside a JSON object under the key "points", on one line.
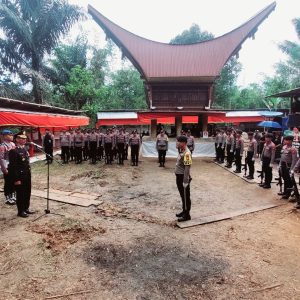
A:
{"points": [[32, 29], [225, 87], [127, 90], [191, 36]]}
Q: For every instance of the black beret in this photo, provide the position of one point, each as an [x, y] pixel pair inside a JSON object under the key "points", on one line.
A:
{"points": [[269, 135], [182, 139], [250, 133]]}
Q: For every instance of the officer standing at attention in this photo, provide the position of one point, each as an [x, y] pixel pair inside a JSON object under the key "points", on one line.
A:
{"points": [[19, 169], [218, 145], [86, 135], [121, 145], [48, 144], [229, 148], [190, 141], [93, 145], [5, 147], [251, 154], [78, 146], [267, 159], [65, 144], [162, 142], [72, 146], [183, 178], [239, 150], [287, 163], [108, 140], [134, 143]]}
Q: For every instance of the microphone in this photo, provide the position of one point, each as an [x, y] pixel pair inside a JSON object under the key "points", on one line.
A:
{"points": [[34, 144]]}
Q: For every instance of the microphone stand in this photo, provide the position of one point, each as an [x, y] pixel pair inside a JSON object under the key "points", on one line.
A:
{"points": [[47, 210]]}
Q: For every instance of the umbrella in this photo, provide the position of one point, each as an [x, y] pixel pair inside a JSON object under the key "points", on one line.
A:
{"points": [[270, 124], [270, 114]]}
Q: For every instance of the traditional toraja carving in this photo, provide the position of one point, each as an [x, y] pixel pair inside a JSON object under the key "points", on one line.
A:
{"points": [[180, 75]]}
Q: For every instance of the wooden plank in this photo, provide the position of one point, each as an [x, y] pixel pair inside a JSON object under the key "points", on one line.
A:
{"points": [[225, 216], [86, 196], [65, 199], [59, 192]]}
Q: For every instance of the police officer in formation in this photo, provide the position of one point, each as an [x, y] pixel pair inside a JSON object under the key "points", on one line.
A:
{"points": [[190, 141], [19, 169], [135, 143], [121, 145], [239, 151], [230, 143], [65, 144], [78, 146], [267, 160], [287, 163], [251, 155], [93, 145], [5, 147], [162, 142], [48, 145]]}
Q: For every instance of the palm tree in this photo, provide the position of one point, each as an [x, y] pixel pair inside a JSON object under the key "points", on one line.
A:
{"points": [[32, 29]]}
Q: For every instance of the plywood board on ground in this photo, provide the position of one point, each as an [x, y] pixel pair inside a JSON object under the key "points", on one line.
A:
{"points": [[65, 198], [225, 216], [86, 196]]}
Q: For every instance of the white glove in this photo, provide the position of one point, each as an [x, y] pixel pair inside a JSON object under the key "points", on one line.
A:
{"points": [[231, 151], [271, 165], [253, 158], [185, 185], [292, 173]]}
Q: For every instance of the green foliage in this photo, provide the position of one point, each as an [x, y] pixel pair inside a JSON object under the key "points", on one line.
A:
{"points": [[191, 36], [32, 29], [225, 90], [127, 90]]}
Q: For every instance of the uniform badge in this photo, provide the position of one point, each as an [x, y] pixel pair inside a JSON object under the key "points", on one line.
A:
{"points": [[187, 160]]}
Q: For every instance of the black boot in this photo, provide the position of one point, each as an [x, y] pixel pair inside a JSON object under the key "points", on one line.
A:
{"points": [[180, 214], [184, 217]]}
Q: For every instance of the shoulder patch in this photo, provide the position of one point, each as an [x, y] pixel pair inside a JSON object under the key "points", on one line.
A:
{"points": [[187, 159]]}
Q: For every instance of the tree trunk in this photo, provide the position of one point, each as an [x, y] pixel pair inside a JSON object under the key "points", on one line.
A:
{"points": [[36, 87]]}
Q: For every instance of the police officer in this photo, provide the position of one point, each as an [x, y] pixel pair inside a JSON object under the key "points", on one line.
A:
{"points": [[162, 142], [229, 148], [239, 150], [78, 146], [121, 145], [287, 163], [6, 146], [267, 159], [108, 142], [72, 146], [93, 144], [190, 141], [182, 171], [134, 143], [48, 144], [86, 135], [65, 144], [251, 154], [19, 169], [218, 145]]}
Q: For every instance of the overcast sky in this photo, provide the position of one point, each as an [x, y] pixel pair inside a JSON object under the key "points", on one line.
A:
{"points": [[161, 20]]}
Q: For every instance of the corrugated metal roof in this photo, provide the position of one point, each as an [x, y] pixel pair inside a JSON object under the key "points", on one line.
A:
{"points": [[160, 61], [29, 106], [116, 115], [290, 93]]}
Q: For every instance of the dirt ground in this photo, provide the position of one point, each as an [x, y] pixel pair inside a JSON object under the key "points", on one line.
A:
{"points": [[129, 247]]}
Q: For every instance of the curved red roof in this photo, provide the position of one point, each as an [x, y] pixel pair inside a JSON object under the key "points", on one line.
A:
{"points": [[194, 62]]}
